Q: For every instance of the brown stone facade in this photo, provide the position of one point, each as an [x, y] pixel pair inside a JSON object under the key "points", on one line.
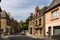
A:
{"points": [[37, 23], [7, 24], [3, 25]]}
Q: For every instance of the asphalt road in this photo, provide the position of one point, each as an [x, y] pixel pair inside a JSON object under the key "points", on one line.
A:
{"points": [[17, 37], [22, 37]]}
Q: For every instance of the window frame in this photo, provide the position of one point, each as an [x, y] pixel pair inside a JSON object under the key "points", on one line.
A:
{"points": [[39, 22], [55, 13]]}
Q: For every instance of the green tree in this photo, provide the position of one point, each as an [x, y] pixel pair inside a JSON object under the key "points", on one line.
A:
{"points": [[25, 24]]}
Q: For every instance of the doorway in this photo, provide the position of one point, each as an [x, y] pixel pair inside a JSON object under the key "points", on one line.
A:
{"points": [[30, 30], [56, 30], [49, 32]]}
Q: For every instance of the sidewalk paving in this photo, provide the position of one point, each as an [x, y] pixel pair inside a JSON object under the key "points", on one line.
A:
{"points": [[34, 36], [27, 34], [5, 36]]}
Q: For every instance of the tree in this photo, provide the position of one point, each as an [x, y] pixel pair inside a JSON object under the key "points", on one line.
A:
{"points": [[25, 24]]}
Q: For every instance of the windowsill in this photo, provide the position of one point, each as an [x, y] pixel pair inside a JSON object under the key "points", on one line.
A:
{"points": [[54, 19]]}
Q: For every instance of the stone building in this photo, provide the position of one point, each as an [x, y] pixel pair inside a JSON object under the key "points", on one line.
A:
{"points": [[3, 21], [31, 24], [7, 24], [37, 22]]}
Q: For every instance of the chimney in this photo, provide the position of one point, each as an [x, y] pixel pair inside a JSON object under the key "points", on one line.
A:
{"points": [[37, 10], [31, 14], [8, 13]]}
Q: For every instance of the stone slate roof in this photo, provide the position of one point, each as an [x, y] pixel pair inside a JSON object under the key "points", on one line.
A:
{"points": [[3, 14], [43, 10], [54, 3]]}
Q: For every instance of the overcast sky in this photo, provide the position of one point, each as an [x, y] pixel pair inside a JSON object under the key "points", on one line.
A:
{"points": [[21, 9]]}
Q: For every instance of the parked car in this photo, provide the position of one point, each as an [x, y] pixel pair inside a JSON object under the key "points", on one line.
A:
{"points": [[23, 32]]}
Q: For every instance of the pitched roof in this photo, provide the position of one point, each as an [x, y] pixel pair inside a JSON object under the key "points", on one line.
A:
{"points": [[3, 14], [53, 4], [43, 9]]}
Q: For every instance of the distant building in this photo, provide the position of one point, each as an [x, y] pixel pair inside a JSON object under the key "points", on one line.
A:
{"points": [[3, 20], [7, 24]]}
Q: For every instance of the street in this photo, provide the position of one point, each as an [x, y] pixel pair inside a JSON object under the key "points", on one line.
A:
{"points": [[15, 37], [22, 37]]}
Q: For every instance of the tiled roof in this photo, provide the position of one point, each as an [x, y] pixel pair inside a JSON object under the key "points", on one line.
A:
{"points": [[54, 3], [43, 10], [3, 14]]}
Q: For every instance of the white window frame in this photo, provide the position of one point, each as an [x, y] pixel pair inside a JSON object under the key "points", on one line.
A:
{"points": [[55, 14]]}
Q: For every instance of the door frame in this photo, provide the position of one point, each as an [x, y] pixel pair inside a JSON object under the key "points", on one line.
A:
{"points": [[49, 31], [31, 30]]}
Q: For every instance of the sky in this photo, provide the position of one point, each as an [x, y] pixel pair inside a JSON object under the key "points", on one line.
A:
{"points": [[21, 9]]}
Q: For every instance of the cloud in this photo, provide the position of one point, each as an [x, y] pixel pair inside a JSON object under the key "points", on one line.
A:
{"points": [[21, 9]]}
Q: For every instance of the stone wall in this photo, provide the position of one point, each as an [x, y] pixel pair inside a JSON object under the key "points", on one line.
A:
{"points": [[3, 25]]}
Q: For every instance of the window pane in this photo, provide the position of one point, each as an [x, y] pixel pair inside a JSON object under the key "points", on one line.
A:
{"points": [[55, 14], [57, 31]]}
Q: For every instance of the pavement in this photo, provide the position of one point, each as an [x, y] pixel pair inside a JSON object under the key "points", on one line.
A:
{"points": [[34, 36]]}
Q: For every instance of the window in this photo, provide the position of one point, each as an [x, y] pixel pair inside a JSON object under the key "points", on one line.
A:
{"points": [[30, 30], [40, 30], [36, 23], [55, 14], [39, 22], [56, 30]]}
